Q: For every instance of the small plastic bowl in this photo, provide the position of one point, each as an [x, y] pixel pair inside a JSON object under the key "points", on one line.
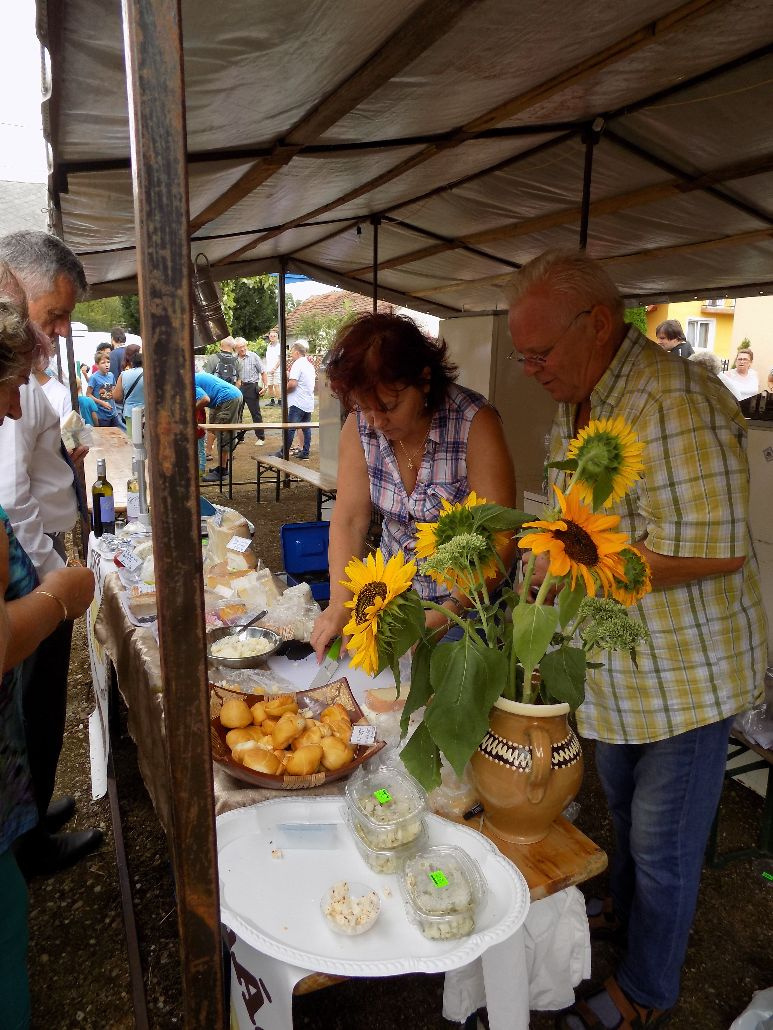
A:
{"points": [[385, 861], [344, 907], [442, 889], [386, 807]]}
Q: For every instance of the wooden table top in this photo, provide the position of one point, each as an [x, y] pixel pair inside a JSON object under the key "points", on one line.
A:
{"points": [[114, 446]]}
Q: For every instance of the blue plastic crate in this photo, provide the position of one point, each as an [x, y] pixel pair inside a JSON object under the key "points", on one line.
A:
{"points": [[304, 553]]}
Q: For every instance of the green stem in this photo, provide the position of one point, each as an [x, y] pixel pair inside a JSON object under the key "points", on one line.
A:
{"points": [[528, 573], [547, 583]]}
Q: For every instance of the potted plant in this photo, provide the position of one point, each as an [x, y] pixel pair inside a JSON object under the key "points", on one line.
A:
{"points": [[522, 653]]}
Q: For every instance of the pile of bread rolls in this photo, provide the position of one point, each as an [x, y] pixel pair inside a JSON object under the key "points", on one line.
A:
{"points": [[273, 737]]}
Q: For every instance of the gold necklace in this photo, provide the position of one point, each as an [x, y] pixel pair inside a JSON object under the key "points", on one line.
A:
{"points": [[420, 449]]}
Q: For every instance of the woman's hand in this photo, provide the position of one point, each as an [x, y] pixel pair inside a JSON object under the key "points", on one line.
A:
{"points": [[329, 625], [74, 586]]}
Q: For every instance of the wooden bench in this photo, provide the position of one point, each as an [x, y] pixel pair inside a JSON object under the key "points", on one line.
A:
{"points": [[741, 745], [278, 470]]}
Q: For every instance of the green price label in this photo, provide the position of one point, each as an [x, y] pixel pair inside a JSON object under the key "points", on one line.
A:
{"points": [[439, 878], [382, 796]]}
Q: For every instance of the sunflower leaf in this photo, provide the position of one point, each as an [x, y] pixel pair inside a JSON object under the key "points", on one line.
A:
{"points": [[602, 488], [563, 466], [496, 518], [401, 626], [533, 628], [421, 689], [421, 758], [569, 601], [563, 673], [467, 680]]}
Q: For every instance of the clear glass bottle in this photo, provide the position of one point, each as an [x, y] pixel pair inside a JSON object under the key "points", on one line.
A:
{"points": [[103, 503], [133, 493]]}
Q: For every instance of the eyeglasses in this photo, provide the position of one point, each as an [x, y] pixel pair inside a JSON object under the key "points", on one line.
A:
{"points": [[541, 359]]}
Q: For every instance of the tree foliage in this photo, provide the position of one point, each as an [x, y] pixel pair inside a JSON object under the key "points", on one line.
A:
{"points": [[130, 307], [99, 315], [637, 317], [320, 329], [250, 305]]}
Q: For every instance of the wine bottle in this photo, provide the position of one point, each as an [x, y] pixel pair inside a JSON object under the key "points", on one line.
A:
{"points": [[133, 493], [103, 506]]}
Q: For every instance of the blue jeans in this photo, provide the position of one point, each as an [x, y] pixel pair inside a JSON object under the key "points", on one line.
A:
{"points": [[295, 414], [662, 797]]}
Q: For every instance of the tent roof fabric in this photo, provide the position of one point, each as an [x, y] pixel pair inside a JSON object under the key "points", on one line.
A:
{"points": [[459, 127]]}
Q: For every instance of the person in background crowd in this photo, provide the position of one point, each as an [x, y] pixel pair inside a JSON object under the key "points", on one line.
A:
{"points": [[225, 405], [253, 379], [100, 388], [37, 490], [670, 336], [661, 723], [742, 380], [103, 347], [130, 386], [87, 406], [300, 390], [57, 394], [202, 403], [273, 370], [413, 440], [708, 360], [30, 610], [118, 351]]}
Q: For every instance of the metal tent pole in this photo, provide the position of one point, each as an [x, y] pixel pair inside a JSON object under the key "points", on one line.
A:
{"points": [[375, 221], [590, 138], [154, 66], [281, 281]]}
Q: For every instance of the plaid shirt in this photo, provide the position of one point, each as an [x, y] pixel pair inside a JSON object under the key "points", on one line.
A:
{"points": [[708, 656], [250, 367], [442, 476]]}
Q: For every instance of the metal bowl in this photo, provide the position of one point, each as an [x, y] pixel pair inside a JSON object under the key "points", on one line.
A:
{"points": [[214, 635]]}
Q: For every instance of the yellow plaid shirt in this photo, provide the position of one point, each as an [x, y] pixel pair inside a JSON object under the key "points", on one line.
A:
{"points": [[708, 655]]}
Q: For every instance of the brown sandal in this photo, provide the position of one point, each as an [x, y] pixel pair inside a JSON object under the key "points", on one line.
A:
{"points": [[604, 924], [632, 1015]]}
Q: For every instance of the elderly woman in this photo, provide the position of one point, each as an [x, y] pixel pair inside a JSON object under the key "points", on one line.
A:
{"points": [[670, 336], [29, 612], [412, 440]]}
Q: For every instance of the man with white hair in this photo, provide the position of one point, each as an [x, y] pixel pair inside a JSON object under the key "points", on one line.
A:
{"points": [[661, 724], [300, 393], [252, 375], [37, 491]]}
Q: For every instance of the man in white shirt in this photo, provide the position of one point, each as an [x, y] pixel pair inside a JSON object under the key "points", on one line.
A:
{"points": [[37, 491], [273, 371], [300, 393], [742, 380]]}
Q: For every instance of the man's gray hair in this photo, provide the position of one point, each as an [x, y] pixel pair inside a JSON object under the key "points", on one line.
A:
{"points": [[239, 340], [38, 259], [301, 345], [570, 273], [708, 360]]}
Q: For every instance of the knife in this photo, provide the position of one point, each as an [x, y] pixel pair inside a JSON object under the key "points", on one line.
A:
{"points": [[329, 665]]}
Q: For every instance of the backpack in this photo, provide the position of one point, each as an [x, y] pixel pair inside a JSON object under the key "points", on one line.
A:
{"points": [[227, 368]]}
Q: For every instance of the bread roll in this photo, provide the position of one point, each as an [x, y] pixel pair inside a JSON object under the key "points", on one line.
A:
{"points": [[304, 761], [311, 735], [238, 751], [336, 753], [258, 712], [288, 728], [341, 728], [276, 706], [235, 713], [238, 736], [336, 711], [263, 761], [268, 724]]}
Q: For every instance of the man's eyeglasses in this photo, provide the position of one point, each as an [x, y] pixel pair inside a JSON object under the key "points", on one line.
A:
{"points": [[541, 359]]}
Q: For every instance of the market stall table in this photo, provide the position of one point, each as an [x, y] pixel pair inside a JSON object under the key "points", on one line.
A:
{"points": [[114, 446], [245, 427], [565, 858]]}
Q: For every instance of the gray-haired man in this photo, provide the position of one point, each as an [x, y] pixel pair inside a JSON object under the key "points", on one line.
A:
{"points": [[37, 492]]}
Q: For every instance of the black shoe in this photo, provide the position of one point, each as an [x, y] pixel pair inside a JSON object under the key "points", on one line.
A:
{"points": [[59, 812], [214, 475], [301, 455], [58, 852], [239, 438]]}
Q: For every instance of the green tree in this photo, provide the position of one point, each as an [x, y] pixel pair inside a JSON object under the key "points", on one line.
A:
{"points": [[637, 317], [130, 308], [250, 305], [99, 315], [320, 329]]}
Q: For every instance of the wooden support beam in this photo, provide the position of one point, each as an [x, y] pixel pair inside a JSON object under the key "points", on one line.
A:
{"points": [[154, 66]]}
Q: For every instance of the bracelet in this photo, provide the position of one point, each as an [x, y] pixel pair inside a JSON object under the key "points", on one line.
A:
{"points": [[58, 600]]}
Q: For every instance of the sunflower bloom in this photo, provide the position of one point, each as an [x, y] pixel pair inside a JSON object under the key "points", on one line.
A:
{"points": [[454, 521], [635, 581], [579, 543], [609, 456], [374, 584]]}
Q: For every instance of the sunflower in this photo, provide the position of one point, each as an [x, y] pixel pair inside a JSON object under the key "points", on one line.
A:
{"points": [[454, 521], [375, 584], [579, 543], [635, 581], [609, 461]]}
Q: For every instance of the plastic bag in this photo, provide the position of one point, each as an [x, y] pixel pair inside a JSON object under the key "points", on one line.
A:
{"points": [[757, 725], [758, 1014]]}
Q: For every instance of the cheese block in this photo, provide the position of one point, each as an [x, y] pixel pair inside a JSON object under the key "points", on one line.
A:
{"points": [[143, 549], [142, 606], [241, 561], [233, 524]]}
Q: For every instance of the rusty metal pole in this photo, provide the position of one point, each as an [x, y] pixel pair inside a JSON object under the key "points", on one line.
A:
{"points": [[154, 66], [375, 221], [281, 283]]}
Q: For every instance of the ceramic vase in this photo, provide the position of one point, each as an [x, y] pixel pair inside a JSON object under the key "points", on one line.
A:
{"points": [[527, 769]]}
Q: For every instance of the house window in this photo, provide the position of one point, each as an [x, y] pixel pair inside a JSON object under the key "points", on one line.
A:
{"points": [[700, 333]]}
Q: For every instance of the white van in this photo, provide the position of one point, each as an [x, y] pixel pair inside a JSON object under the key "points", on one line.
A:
{"points": [[84, 344]]}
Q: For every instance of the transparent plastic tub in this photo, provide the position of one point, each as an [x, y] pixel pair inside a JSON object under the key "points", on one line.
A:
{"points": [[386, 807], [386, 860], [442, 888], [350, 908]]}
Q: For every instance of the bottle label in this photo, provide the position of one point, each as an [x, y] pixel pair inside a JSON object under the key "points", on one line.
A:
{"points": [[132, 506], [106, 510]]}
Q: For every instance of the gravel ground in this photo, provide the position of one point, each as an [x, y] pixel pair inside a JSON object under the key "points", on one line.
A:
{"points": [[78, 962]]}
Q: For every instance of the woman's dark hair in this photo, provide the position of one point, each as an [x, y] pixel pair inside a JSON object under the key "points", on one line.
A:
{"points": [[130, 356], [389, 351], [671, 329]]}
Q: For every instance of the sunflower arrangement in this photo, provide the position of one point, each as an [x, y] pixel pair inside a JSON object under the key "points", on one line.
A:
{"points": [[529, 641]]}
